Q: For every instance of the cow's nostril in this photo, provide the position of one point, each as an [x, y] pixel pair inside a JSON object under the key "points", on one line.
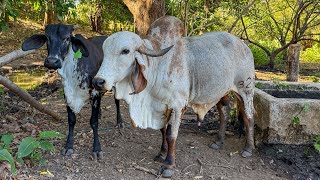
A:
{"points": [[98, 83], [52, 63]]}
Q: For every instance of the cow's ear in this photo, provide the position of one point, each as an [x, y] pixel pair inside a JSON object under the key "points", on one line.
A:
{"points": [[139, 82], [78, 42], [34, 42]]}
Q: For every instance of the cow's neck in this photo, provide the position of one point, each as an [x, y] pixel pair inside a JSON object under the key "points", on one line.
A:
{"points": [[145, 110], [74, 86]]}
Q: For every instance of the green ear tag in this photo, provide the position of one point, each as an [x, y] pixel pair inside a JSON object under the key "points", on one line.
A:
{"points": [[78, 54]]}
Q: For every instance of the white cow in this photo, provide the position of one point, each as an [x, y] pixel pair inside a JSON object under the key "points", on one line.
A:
{"points": [[159, 84]]}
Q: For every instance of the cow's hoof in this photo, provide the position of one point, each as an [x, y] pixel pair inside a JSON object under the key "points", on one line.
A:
{"points": [[67, 152], [245, 153], [97, 155], [166, 172], [160, 158], [216, 146], [120, 125]]}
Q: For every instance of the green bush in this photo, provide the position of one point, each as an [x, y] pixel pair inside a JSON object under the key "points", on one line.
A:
{"points": [[28, 147], [311, 55], [261, 58]]}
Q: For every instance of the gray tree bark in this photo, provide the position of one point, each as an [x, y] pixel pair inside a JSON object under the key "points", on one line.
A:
{"points": [[293, 62], [13, 56]]}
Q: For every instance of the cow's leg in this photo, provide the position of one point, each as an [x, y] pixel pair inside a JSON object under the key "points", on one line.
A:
{"points": [[96, 152], [120, 123], [167, 170], [68, 149], [164, 147], [224, 118], [246, 110]]}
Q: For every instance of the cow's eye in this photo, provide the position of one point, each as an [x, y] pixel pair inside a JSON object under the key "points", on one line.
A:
{"points": [[125, 51]]}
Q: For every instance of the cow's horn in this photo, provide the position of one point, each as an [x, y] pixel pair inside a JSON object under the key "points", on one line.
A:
{"points": [[153, 53]]}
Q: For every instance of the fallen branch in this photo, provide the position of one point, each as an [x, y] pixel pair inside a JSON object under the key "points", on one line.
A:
{"points": [[13, 56], [222, 166], [146, 170], [27, 97], [201, 164], [184, 169]]}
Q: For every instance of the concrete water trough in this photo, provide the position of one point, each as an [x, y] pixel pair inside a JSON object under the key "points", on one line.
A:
{"points": [[286, 112]]}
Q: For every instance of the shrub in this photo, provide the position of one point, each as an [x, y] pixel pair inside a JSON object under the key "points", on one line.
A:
{"points": [[311, 55]]}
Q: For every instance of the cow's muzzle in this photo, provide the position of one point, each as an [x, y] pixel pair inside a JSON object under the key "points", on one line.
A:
{"points": [[98, 84], [52, 63]]}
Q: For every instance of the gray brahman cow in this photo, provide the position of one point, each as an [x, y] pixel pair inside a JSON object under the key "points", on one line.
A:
{"points": [[159, 83]]}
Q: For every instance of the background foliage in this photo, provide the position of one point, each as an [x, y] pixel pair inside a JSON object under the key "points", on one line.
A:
{"points": [[266, 21]]}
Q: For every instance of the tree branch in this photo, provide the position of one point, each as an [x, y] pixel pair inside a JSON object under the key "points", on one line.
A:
{"points": [[13, 56], [27, 97], [252, 42], [244, 11], [310, 39]]}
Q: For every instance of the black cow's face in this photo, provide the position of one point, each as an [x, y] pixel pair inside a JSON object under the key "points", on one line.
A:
{"points": [[58, 42], [59, 38]]}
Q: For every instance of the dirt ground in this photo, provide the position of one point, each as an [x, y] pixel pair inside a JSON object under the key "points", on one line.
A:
{"points": [[129, 152], [128, 149]]}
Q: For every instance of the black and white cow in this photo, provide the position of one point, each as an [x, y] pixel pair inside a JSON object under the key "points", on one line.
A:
{"points": [[76, 74]]}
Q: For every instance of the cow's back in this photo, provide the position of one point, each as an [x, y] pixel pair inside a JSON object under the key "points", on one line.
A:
{"points": [[218, 61]]}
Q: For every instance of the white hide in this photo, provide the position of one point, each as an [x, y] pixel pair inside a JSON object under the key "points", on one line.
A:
{"points": [[197, 72], [76, 97]]}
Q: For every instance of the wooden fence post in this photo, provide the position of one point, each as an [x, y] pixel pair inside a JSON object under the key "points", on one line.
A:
{"points": [[293, 62]]}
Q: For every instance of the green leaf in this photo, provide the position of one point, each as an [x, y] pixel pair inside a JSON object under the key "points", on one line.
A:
{"points": [[46, 146], [36, 5], [6, 156], [317, 147], [27, 146], [36, 156], [78, 54], [306, 107], [50, 135], [1, 90], [7, 139], [296, 120]]}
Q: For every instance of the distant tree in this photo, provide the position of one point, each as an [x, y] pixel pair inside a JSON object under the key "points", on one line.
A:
{"points": [[96, 17], [289, 22], [145, 12], [8, 10], [2, 7], [56, 10]]}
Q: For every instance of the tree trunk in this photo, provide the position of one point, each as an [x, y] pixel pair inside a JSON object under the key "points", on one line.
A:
{"points": [[144, 13], [93, 22], [49, 15], [96, 19], [272, 58], [293, 62], [3, 7]]}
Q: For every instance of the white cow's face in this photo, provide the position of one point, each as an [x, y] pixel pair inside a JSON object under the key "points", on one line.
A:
{"points": [[123, 57], [119, 58]]}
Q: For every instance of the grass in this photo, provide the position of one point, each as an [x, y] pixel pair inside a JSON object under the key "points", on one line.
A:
{"points": [[279, 76]]}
